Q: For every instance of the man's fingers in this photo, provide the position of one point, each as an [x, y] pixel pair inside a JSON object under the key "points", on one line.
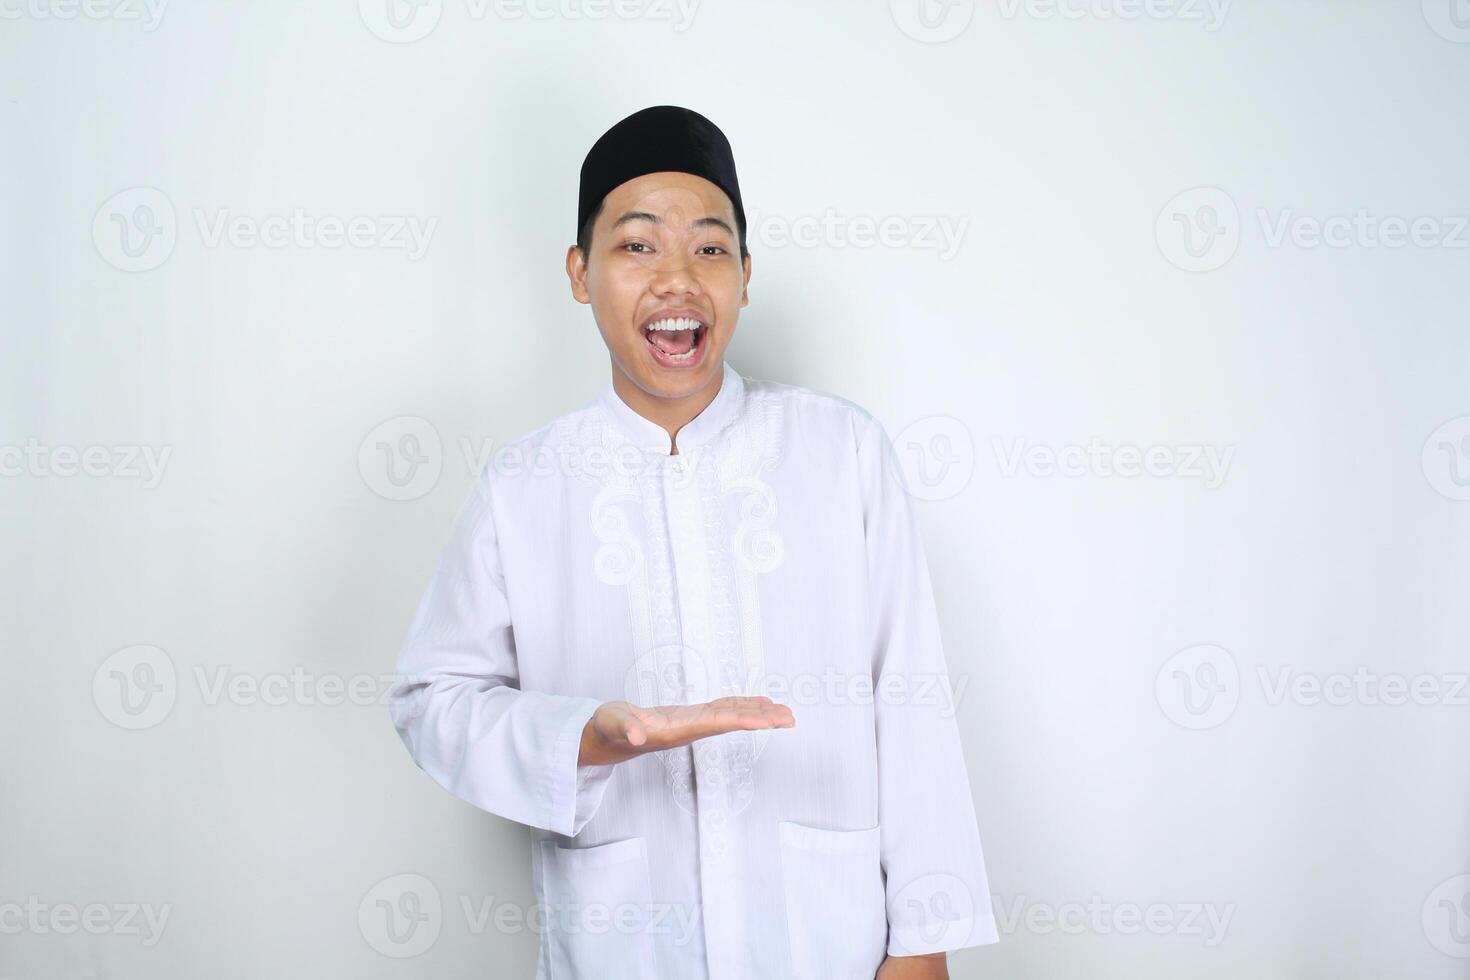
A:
{"points": [[737, 713], [650, 729], [736, 701]]}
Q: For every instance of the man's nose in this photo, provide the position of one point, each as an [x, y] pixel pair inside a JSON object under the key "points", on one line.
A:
{"points": [[674, 273]]}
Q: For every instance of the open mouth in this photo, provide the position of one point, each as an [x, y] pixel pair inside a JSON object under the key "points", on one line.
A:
{"points": [[676, 341]]}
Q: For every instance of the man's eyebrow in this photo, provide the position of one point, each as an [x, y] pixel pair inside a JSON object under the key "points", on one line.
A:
{"points": [[655, 219]]}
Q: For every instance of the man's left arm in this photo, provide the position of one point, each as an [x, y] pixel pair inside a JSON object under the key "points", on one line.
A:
{"points": [[937, 892]]}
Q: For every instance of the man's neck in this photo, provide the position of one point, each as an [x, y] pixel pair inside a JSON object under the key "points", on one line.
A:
{"points": [[671, 413]]}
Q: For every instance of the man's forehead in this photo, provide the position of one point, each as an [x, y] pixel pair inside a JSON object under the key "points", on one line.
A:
{"points": [[668, 198], [674, 220]]}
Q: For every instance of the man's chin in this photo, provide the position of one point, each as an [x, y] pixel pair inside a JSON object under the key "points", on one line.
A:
{"points": [[665, 383]]}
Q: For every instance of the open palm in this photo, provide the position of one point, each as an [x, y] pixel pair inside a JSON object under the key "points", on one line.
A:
{"points": [[620, 730]]}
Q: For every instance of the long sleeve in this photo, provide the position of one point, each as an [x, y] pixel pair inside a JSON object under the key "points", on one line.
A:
{"points": [[456, 701], [937, 891]]}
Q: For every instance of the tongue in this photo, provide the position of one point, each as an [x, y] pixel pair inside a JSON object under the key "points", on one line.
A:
{"points": [[672, 341]]}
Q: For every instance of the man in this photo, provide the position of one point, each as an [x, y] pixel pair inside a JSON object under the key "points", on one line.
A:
{"points": [[686, 634]]}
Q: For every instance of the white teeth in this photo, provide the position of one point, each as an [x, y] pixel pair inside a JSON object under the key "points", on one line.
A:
{"points": [[682, 323], [678, 323]]}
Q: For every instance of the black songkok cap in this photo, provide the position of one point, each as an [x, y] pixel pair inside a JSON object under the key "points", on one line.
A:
{"points": [[652, 140]]}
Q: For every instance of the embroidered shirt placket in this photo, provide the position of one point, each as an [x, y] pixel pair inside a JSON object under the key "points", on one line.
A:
{"points": [[721, 884]]}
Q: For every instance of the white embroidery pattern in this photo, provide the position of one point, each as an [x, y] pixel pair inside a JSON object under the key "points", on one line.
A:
{"points": [[709, 644]]}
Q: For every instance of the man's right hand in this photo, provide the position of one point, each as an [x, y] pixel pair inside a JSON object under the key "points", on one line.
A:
{"points": [[619, 731]]}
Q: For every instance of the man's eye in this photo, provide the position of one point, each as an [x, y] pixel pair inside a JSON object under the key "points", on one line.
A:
{"points": [[632, 244], [719, 249]]}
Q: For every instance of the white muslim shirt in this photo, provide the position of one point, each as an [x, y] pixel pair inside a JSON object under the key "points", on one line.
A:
{"points": [[776, 553]]}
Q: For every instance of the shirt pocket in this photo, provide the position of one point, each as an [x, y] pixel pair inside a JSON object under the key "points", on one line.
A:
{"points": [[836, 916], [598, 908]]}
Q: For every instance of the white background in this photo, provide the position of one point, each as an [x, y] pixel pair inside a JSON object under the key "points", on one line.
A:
{"points": [[1122, 638]]}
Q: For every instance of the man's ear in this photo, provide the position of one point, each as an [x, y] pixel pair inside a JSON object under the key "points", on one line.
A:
{"points": [[577, 274], [745, 288]]}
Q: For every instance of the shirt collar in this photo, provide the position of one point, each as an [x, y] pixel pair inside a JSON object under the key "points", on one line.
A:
{"points": [[649, 435]]}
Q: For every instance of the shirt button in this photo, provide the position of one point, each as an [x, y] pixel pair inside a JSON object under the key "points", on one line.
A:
{"points": [[679, 466]]}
